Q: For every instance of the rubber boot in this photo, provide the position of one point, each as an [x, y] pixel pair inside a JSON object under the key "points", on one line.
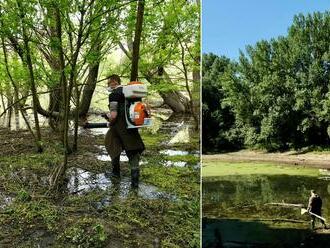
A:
{"points": [[312, 224], [116, 170], [134, 158], [135, 174], [115, 163]]}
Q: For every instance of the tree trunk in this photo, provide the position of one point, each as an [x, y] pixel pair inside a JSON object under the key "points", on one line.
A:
{"points": [[10, 111], [31, 75], [4, 107], [89, 89], [18, 105], [176, 101], [191, 101], [137, 39], [54, 106], [58, 174], [196, 86]]}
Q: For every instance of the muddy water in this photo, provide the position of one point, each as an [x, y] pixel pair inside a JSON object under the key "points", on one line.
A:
{"points": [[177, 126], [103, 155], [235, 210], [82, 181], [5, 200]]}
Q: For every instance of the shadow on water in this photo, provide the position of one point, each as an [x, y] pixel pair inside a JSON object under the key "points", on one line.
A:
{"points": [[237, 233], [235, 207], [82, 181]]}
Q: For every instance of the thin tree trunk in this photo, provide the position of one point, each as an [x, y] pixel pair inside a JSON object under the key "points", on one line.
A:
{"points": [[4, 107], [137, 39], [59, 172], [31, 75], [73, 79], [16, 108], [76, 120], [191, 102], [18, 105], [89, 89], [10, 111]]}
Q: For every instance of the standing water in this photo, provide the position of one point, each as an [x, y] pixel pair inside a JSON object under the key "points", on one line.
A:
{"points": [[260, 210]]}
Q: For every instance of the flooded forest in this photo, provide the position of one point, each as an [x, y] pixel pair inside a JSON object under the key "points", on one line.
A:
{"points": [[55, 61]]}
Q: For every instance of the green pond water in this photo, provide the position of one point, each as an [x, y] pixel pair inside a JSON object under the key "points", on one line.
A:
{"points": [[236, 210]]}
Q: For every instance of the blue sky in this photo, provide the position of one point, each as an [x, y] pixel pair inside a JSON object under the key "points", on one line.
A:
{"points": [[230, 25]]}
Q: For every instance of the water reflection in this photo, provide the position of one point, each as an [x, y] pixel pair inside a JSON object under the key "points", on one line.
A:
{"points": [[5, 200], [170, 152], [82, 181], [239, 203]]}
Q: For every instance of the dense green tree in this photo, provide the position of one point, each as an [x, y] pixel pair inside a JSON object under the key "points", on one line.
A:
{"points": [[218, 132], [279, 90]]}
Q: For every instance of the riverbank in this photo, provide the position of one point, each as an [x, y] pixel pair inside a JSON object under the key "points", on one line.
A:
{"points": [[318, 159]]}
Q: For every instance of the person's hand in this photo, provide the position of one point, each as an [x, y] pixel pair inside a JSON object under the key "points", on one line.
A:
{"points": [[83, 122]]}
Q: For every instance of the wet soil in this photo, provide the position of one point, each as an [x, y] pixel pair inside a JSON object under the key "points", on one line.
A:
{"points": [[95, 210]]}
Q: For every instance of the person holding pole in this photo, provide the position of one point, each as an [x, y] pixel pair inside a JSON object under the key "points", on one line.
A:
{"points": [[315, 208]]}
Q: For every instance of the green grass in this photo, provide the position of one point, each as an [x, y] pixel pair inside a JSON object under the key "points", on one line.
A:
{"points": [[219, 168]]}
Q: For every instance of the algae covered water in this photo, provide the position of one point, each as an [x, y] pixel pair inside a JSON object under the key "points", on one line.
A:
{"points": [[262, 210]]}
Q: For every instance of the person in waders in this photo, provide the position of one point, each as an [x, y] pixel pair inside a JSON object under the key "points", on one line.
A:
{"points": [[119, 137], [315, 207]]}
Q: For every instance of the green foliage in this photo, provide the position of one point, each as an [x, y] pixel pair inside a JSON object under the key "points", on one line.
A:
{"points": [[166, 25], [23, 196], [218, 120], [279, 91], [31, 212], [86, 233]]}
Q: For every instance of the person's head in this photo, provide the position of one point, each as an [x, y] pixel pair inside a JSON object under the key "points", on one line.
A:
{"points": [[313, 192], [113, 81]]}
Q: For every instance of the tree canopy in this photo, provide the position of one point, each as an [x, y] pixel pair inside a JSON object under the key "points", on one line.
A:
{"points": [[279, 89]]}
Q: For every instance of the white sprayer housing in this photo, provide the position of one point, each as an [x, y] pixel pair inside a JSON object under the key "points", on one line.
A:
{"points": [[135, 91]]}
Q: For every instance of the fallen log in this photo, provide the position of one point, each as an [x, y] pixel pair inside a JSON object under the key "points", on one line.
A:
{"points": [[282, 204]]}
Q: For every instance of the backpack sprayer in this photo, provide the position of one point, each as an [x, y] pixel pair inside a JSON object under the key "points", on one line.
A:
{"points": [[136, 112]]}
